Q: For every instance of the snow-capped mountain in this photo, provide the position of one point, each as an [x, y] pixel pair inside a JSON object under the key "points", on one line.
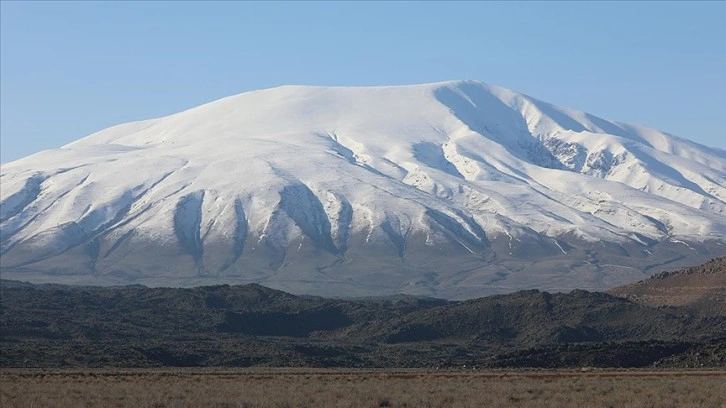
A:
{"points": [[452, 189]]}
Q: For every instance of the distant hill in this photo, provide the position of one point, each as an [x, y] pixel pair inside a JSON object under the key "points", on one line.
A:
{"points": [[251, 325], [699, 289]]}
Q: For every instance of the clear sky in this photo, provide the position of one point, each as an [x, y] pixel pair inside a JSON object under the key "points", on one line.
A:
{"points": [[70, 69]]}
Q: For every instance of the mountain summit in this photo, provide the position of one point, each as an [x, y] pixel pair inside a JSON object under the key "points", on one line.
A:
{"points": [[453, 189]]}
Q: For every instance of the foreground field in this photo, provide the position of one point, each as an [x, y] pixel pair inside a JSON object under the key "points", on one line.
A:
{"points": [[355, 388]]}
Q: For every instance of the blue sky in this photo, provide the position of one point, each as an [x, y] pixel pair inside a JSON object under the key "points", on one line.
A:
{"points": [[70, 69]]}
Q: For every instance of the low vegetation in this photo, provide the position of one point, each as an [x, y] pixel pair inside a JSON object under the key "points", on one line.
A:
{"points": [[260, 388]]}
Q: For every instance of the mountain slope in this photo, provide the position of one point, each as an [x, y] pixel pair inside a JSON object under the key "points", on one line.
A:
{"points": [[453, 189]]}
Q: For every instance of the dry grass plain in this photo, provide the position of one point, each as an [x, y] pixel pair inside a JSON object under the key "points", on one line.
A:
{"points": [[186, 388]]}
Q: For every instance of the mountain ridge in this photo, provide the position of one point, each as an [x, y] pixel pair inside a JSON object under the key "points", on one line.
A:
{"points": [[452, 189]]}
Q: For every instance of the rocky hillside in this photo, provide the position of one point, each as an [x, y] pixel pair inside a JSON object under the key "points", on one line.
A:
{"points": [[699, 289], [250, 325]]}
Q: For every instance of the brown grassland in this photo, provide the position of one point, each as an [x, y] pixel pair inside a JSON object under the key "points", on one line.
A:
{"points": [[182, 388]]}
